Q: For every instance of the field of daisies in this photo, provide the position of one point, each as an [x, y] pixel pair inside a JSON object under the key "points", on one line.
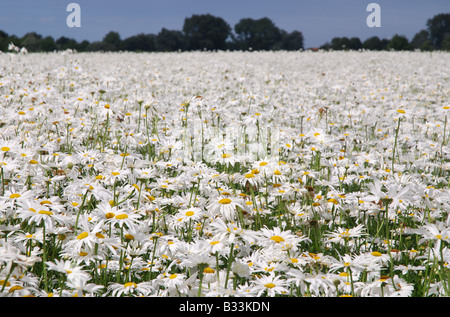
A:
{"points": [[217, 174]]}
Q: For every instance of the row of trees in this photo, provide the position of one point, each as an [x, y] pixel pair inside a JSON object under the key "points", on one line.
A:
{"points": [[208, 32], [374, 43], [435, 37], [199, 32]]}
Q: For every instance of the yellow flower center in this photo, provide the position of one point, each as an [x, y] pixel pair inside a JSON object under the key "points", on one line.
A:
{"points": [[269, 285], [209, 270], [277, 239], [45, 212], [15, 288], [82, 235], [225, 201], [2, 282], [130, 284]]}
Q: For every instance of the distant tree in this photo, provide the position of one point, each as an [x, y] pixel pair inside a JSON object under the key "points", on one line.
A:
{"points": [[339, 43], [141, 42], [421, 40], [15, 40], [206, 32], [445, 45], [170, 40], [47, 44], [344, 43], [3, 41], [31, 41], [261, 34], [336, 43], [111, 41], [267, 34], [384, 43], [354, 43], [399, 43], [373, 43], [96, 46], [83, 46], [244, 31], [325, 46], [439, 28], [292, 41], [64, 43], [428, 46]]}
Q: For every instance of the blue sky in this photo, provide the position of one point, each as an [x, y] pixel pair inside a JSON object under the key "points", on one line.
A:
{"points": [[318, 20]]}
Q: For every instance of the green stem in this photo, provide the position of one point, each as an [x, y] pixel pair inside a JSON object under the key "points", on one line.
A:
{"points": [[3, 181], [44, 258], [445, 127], [8, 276], [153, 256], [114, 193], [139, 118], [395, 144], [124, 155], [139, 197], [200, 274], [230, 260], [349, 271], [81, 208]]}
